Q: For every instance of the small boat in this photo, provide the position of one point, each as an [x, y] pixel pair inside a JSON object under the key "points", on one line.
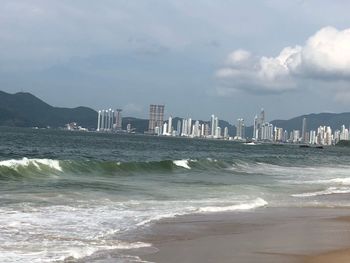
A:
{"points": [[304, 146], [250, 143]]}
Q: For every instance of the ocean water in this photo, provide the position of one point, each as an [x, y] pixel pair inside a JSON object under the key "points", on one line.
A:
{"points": [[83, 197]]}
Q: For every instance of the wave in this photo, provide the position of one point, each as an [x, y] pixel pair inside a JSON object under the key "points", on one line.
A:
{"points": [[25, 167], [37, 163], [15, 169], [35, 167], [182, 163], [259, 202], [328, 191]]}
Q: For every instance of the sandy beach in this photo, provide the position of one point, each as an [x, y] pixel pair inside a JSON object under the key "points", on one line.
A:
{"points": [[268, 235]]}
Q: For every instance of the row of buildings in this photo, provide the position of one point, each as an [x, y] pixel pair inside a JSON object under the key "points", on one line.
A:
{"points": [[109, 120], [263, 131], [189, 128]]}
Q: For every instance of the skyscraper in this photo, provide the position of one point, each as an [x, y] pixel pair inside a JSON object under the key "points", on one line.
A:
{"points": [[98, 120], [178, 128], [304, 131], [189, 126], [184, 127], [170, 125], [212, 125], [216, 126], [262, 116], [240, 129], [256, 128], [226, 135], [103, 119], [156, 116], [118, 119]]}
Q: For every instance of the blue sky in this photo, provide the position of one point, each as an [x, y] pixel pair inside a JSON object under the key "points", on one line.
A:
{"points": [[224, 57]]}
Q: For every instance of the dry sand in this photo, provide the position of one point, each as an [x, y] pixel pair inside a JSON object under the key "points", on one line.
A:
{"points": [[267, 235]]}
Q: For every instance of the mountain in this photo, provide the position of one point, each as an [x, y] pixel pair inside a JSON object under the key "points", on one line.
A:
{"points": [[334, 120], [25, 110]]}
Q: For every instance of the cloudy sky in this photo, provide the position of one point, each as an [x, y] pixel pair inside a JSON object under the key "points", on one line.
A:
{"points": [[197, 57]]}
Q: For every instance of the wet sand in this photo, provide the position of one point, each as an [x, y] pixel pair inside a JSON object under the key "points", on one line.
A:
{"points": [[265, 235]]}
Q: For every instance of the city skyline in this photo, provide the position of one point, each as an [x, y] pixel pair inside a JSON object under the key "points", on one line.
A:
{"points": [[187, 55], [263, 130]]}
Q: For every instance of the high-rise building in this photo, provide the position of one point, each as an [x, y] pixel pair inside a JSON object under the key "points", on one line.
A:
{"points": [[313, 139], [278, 134], [128, 128], [217, 133], [304, 138], [216, 126], [189, 126], [105, 119], [256, 128], [344, 133], [226, 136], [156, 116], [296, 136], [102, 120], [98, 121], [184, 127], [266, 132], [118, 119], [262, 116], [240, 129], [206, 130], [170, 125], [285, 136], [165, 128], [259, 125], [212, 125], [196, 132], [178, 128]]}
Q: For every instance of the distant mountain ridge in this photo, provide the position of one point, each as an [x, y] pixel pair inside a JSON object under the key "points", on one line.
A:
{"points": [[25, 110], [334, 120]]}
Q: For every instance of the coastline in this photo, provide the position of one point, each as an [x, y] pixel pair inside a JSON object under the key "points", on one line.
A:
{"points": [[265, 235]]}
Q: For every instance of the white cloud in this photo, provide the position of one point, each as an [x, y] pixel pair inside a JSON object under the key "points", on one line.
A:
{"points": [[324, 57], [238, 57]]}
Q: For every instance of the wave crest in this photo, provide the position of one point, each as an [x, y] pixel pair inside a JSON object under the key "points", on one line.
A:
{"points": [[328, 191], [37, 163], [259, 202]]}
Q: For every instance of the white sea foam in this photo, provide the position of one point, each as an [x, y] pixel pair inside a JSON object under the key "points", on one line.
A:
{"points": [[328, 191], [295, 173], [343, 181], [182, 163], [25, 162], [334, 181], [259, 202]]}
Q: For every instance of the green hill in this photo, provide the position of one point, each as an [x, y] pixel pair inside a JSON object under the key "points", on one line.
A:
{"points": [[25, 110], [334, 120]]}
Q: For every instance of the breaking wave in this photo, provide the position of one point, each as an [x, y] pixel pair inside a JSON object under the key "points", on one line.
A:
{"points": [[25, 167], [259, 202], [328, 191]]}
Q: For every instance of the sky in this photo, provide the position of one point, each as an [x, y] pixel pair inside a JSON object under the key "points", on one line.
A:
{"points": [[199, 57]]}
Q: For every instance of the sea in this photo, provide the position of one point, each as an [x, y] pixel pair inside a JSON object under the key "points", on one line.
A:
{"points": [[84, 196]]}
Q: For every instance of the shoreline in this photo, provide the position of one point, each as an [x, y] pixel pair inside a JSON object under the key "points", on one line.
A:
{"points": [[264, 235]]}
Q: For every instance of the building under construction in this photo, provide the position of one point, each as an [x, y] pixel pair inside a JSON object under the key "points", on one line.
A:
{"points": [[156, 118]]}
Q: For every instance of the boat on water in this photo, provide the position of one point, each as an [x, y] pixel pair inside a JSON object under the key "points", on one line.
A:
{"points": [[251, 143]]}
